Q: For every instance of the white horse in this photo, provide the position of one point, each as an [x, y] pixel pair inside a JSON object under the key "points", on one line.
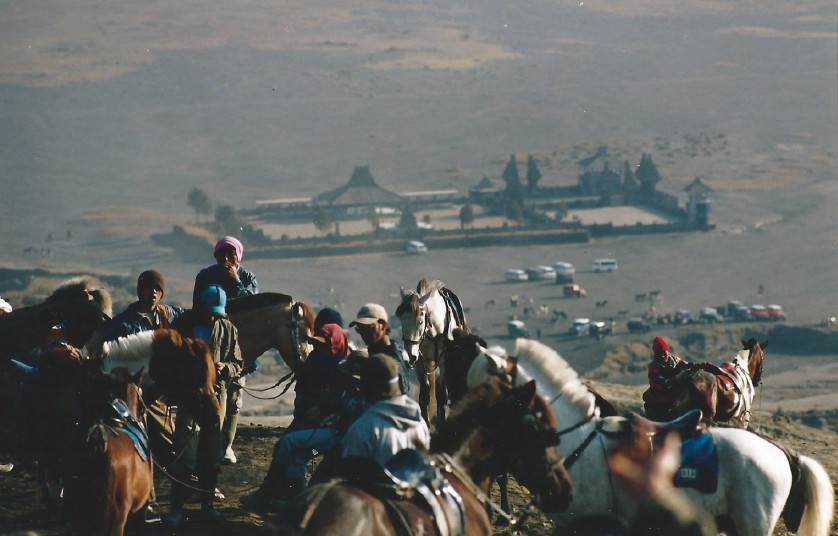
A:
{"points": [[428, 320], [754, 475]]}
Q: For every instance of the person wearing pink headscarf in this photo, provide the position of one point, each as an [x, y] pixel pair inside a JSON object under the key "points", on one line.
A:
{"points": [[236, 282], [226, 272]]}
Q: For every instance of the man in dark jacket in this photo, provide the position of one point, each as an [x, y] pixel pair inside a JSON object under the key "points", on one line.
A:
{"points": [[662, 369], [372, 324], [148, 312], [226, 272]]}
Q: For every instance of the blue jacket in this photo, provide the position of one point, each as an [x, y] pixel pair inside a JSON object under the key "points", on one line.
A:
{"points": [[214, 275]]}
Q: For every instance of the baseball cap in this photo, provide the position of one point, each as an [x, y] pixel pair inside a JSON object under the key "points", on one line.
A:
{"points": [[214, 300], [370, 314]]}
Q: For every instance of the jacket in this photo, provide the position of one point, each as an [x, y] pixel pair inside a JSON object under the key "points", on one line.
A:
{"points": [[385, 428], [223, 343], [131, 321], [213, 275]]}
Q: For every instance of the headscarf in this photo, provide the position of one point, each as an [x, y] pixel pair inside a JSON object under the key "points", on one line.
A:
{"points": [[336, 337], [230, 241]]}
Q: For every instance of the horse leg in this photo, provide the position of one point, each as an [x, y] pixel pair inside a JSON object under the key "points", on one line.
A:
{"points": [[431, 401], [441, 391], [424, 389], [503, 486]]}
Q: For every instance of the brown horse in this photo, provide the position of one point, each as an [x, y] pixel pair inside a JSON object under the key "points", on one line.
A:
{"points": [[724, 393], [271, 320], [495, 428], [26, 327], [113, 470]]}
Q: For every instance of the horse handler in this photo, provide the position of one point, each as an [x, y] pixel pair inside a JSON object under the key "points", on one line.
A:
{"points": [[662, 369]]}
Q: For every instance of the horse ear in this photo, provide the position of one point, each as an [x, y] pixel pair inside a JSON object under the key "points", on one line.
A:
{"points": [[401, 292], [137, 379], [764, 345], [525, 394], [424, 299]]}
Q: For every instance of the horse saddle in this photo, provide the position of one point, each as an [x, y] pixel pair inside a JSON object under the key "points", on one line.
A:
{"points": [[455, 305], [124, 422], [699, 467], [411, 470], [687, 425], [726, 373]]}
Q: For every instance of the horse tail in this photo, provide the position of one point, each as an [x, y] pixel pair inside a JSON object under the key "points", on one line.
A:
{"points": [[809, 508]]}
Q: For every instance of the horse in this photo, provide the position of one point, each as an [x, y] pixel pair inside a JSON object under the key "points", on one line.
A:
{"points": [[758, 481], [263, 321], [428, 317], [113, 475], [495, 428], [724, 393], [26, 327]]}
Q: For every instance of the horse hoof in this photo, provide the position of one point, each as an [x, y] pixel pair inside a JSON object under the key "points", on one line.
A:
{"points": [[218, 495]]}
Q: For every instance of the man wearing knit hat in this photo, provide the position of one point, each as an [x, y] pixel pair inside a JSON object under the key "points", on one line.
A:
{"points": [[663, 368], [392, 423], [148, 312], [226, 272]]}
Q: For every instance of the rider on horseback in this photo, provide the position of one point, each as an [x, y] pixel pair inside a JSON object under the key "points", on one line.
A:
{"points": [[662, 370]]}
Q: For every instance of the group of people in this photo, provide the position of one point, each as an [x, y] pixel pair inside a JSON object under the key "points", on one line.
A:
{"points": [[350, 403]]}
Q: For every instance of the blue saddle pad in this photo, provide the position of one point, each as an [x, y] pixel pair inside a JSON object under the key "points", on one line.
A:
{"points": [[699, 464]]}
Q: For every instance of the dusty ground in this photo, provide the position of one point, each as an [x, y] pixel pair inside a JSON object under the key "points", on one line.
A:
{"points": [[20, 511]]}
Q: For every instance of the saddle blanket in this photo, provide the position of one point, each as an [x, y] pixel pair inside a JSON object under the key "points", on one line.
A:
{"points": [[699, 467]]}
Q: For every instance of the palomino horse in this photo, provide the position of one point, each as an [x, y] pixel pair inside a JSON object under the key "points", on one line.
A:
{"points": [[26, 327], [271, 320], [493, 429], [113, 470], [428, 317], [757, 480], [724, 393], [263, 321]]}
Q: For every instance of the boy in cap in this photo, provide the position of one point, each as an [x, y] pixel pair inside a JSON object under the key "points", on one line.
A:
{"points": [[663, 368], [226, 272], [393, 422], [372, 324], [200, 444]]}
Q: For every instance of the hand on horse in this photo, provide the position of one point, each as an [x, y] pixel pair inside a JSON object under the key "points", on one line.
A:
{"points": [[646, 473]]}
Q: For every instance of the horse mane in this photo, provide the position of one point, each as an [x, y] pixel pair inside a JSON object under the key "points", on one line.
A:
{"points": [[552, 367], [423, 286], [410, 303], [483, 405], [80, 288], [257, 301]]}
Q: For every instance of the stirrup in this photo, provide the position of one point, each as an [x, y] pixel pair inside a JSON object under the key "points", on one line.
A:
{"points": [[152, 513]]}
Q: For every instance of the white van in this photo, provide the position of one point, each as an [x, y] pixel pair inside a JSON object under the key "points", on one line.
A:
{"points": [[604, 265], [564, 268], [416, 247], [516, 274]]}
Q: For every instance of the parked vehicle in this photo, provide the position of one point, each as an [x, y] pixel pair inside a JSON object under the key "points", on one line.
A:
{"points": [[604, 265], [734, 308], [580, 326], [415, 247], [538, 273], [600, 329], [741, 312], [776, 313], [572, 290], [638, 325], [758, 312], [682, 316], [515, 274], [710, 315], [564, 272], [517, 328]]}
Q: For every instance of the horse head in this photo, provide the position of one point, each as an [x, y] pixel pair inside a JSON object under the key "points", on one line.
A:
{"points": [[411, 315], [755, 359], [499, 428]]}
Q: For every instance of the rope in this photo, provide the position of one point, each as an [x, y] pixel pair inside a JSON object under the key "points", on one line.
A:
{"points": [[288, 386]]}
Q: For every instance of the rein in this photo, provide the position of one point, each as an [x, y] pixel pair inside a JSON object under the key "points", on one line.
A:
{"points": [[250, 390], [452, 467]]}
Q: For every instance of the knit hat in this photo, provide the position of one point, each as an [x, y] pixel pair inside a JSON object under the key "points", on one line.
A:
{"points": [[380, 377], [659, 346], [370, 314], [327, 315], [229, 241], [151, 278], [214, 300]]}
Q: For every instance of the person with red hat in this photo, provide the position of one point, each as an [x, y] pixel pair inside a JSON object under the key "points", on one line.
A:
{"points": [[663, 367]]}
